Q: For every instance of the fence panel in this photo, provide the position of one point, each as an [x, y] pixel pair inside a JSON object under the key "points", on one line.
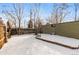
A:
{"points": [[69, 29], [2, 35]]}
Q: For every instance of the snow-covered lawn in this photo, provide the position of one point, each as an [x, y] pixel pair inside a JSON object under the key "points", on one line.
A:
{"points": [[28, 45]]}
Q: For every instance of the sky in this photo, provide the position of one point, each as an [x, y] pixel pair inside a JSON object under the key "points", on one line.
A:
{"points": [[45, 10]]}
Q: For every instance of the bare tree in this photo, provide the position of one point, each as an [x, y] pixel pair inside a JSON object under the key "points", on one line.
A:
{"points": [[59, 12], [30, 24], [54, 17], [39, 25], [75, 12], [36, 16], [16, 14], [19, 13], [35, 13], [10, 16], [76, 7], [1, 21], [63, 12], [9, 27]]}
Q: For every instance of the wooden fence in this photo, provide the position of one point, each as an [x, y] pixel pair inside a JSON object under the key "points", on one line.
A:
{"points": [[3, 38], [68, 29], [14, 31]]}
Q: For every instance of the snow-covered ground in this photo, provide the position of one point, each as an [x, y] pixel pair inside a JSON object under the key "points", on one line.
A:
{"points": [[28, 45], [60, 39]]}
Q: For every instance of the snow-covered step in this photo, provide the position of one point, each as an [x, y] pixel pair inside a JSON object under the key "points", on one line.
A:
{"points": [[60, 40]]}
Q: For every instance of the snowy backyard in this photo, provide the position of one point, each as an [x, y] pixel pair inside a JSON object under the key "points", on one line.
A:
{"points": [[29, 45], [39, 29]]}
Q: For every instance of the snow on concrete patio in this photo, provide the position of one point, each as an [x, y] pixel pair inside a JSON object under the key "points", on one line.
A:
{"points": [[28, 45], [60, 39]]}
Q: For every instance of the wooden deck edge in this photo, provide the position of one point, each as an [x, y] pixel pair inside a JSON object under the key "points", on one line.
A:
{"points": [[67, 46]]}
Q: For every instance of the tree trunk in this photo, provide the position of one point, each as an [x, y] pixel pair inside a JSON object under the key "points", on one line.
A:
{"points": [[19, 28]]}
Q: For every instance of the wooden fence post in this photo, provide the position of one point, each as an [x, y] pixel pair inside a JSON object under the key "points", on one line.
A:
{"points": [[5, 34]]}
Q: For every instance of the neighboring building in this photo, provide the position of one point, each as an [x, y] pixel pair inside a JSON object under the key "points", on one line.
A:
{"points": [[30, 25]]}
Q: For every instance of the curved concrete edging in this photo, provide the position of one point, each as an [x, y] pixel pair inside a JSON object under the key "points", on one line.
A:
{"points": [[67, 46]]}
